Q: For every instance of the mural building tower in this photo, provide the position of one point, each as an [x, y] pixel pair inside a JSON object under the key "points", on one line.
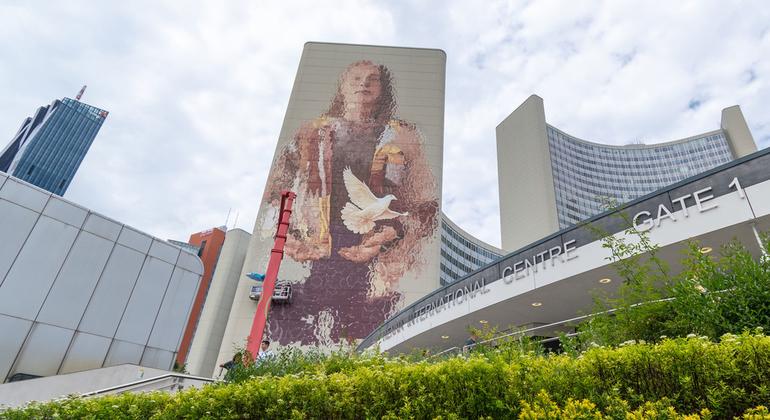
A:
{"points": [[361, 146]]}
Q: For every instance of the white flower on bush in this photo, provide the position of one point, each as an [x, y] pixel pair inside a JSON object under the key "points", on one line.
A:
{"points": [[627, 343], [692, 335]]}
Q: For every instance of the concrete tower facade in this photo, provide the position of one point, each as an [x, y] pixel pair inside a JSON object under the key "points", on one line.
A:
{"points": [[361, 145]]}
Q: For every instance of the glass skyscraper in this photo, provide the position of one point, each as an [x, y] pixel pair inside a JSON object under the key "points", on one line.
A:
{"points": [[49, 147]]}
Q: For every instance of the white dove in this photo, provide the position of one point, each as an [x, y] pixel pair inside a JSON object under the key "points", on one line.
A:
{"points": [[364, 207]]}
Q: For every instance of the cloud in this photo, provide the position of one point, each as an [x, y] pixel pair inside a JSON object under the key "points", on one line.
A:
{"points": [[197, 90]]}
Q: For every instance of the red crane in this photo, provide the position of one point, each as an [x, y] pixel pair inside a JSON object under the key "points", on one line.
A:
{"points": [[276, 255]]}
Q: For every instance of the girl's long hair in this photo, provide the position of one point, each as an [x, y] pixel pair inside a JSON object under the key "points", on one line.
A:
{"points": [[386, 103]]}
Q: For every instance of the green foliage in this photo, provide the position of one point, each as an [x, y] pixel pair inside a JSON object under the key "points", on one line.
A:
{"points": [[179, 368], [716, 296], [293, 361], [711, 295], [685, 375], [543, 407]]}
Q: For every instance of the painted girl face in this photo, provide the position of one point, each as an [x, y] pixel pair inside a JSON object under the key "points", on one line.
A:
{"points": [[361, 86]]}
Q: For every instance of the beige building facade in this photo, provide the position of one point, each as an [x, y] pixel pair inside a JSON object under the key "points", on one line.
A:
{"points": [[361, 145], [219, 300]]}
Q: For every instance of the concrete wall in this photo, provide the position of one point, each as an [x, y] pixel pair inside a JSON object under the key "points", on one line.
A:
{"points": [[527, 198], [46, 389], [210, 244], [80, 291], [738, 133], [216, 309]]}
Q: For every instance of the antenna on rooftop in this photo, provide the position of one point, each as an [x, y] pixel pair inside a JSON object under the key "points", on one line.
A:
{"points": [[80, 94], [228, 215]]}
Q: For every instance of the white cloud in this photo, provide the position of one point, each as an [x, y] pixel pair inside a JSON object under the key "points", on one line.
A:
{"points": [[197, 90]]}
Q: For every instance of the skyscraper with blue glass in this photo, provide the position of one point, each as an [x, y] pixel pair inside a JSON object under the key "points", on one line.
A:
{"points": [[49, 147]]}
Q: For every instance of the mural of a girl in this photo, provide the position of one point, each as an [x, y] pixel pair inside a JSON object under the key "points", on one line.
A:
{"points": [[367, 201]]}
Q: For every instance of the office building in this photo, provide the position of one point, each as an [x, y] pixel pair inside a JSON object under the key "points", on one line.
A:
{"points": [[462, 253], [565, 180], [49, 147]]}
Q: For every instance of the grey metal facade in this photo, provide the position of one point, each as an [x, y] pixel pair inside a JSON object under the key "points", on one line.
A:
{"points": [[49, 147], [80, 291], [590, 177]]}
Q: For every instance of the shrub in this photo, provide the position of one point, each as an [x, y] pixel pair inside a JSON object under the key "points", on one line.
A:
{"points": [[711, 295], [685, 375]]}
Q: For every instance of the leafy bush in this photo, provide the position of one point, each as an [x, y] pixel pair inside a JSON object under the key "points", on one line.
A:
{"points": [[711, 295], [545, 408], [640, 380]]}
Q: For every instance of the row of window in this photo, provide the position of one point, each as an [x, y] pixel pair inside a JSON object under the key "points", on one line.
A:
{"points": [[473, 259], [462, 241], [59, 147], [459, 256], [587, 176]]}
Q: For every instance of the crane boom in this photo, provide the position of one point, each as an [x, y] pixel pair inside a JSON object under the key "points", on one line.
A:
{"points": [[276, 255]]}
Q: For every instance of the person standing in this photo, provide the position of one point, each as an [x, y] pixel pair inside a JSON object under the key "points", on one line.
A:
{"points": [[264, 352]]}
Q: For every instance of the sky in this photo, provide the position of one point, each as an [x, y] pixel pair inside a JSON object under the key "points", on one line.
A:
{"points": [[197, 91]]}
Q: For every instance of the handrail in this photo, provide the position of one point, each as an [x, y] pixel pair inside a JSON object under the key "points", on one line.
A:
{"points": [[565, 321], [146, 381], [445, 351], [562, 322]]}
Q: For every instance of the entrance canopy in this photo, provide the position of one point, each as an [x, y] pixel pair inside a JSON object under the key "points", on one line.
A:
{"points": [[555, 279]]}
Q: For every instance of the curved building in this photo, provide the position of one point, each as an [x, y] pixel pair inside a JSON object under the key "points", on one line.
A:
{"points": [[462, 253], [567, 180]]}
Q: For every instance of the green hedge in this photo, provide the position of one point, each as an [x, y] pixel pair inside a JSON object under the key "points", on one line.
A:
{"points": [[690, 375]]}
